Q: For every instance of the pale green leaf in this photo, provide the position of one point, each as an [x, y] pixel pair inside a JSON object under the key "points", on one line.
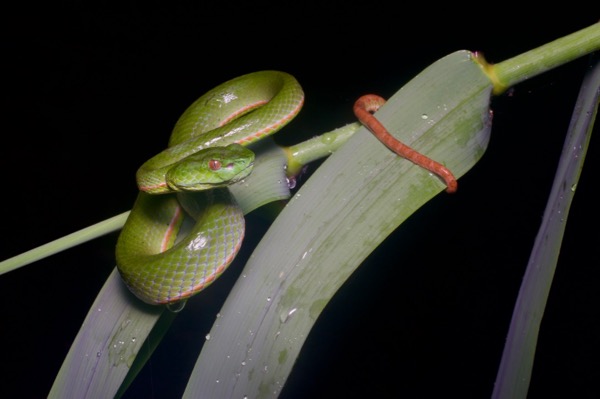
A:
{"points": [[339, 216], [517, 361]]}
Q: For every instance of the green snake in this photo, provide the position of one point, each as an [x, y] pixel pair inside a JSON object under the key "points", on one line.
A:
{"points": [[206, 152]]}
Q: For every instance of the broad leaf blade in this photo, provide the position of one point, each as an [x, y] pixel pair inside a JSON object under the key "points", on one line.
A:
{"points": [[341, 214]]}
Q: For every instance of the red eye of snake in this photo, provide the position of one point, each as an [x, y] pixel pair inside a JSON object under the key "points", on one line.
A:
{"points": [[214, 164]]}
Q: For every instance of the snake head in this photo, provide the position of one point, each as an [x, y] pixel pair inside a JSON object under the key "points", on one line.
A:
{"points": [[211, 167]]}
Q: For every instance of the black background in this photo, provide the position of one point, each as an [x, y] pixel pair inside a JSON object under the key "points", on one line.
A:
{"points": [[91, 91]]}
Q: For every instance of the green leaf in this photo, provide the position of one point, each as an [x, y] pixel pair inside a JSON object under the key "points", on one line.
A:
{"points": [[516, 365], [339, 216]]}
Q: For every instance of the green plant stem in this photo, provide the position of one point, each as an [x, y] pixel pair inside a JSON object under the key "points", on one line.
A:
{"points": [[504, 74], [541, 59], [79, 237], [318, 147], [297, 155]]}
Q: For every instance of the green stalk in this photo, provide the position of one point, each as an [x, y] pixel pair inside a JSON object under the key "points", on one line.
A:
{"points": [[297, 155], [318, 147], [72, 240], [541, 59], [504, 75]]}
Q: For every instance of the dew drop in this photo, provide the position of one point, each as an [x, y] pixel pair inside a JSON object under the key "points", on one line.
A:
{"points": [[284, 317], [207, 337], [424, 116], [176, 307], [291, 182], [327, 138]]}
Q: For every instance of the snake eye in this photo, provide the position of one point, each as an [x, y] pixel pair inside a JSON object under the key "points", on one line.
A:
{"points": [[214, 164]]}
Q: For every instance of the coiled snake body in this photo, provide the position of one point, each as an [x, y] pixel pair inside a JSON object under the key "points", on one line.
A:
{"points": [[206, 152]]}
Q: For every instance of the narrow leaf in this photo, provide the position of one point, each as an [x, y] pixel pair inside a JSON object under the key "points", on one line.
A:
{"points": [[516, 365]]}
